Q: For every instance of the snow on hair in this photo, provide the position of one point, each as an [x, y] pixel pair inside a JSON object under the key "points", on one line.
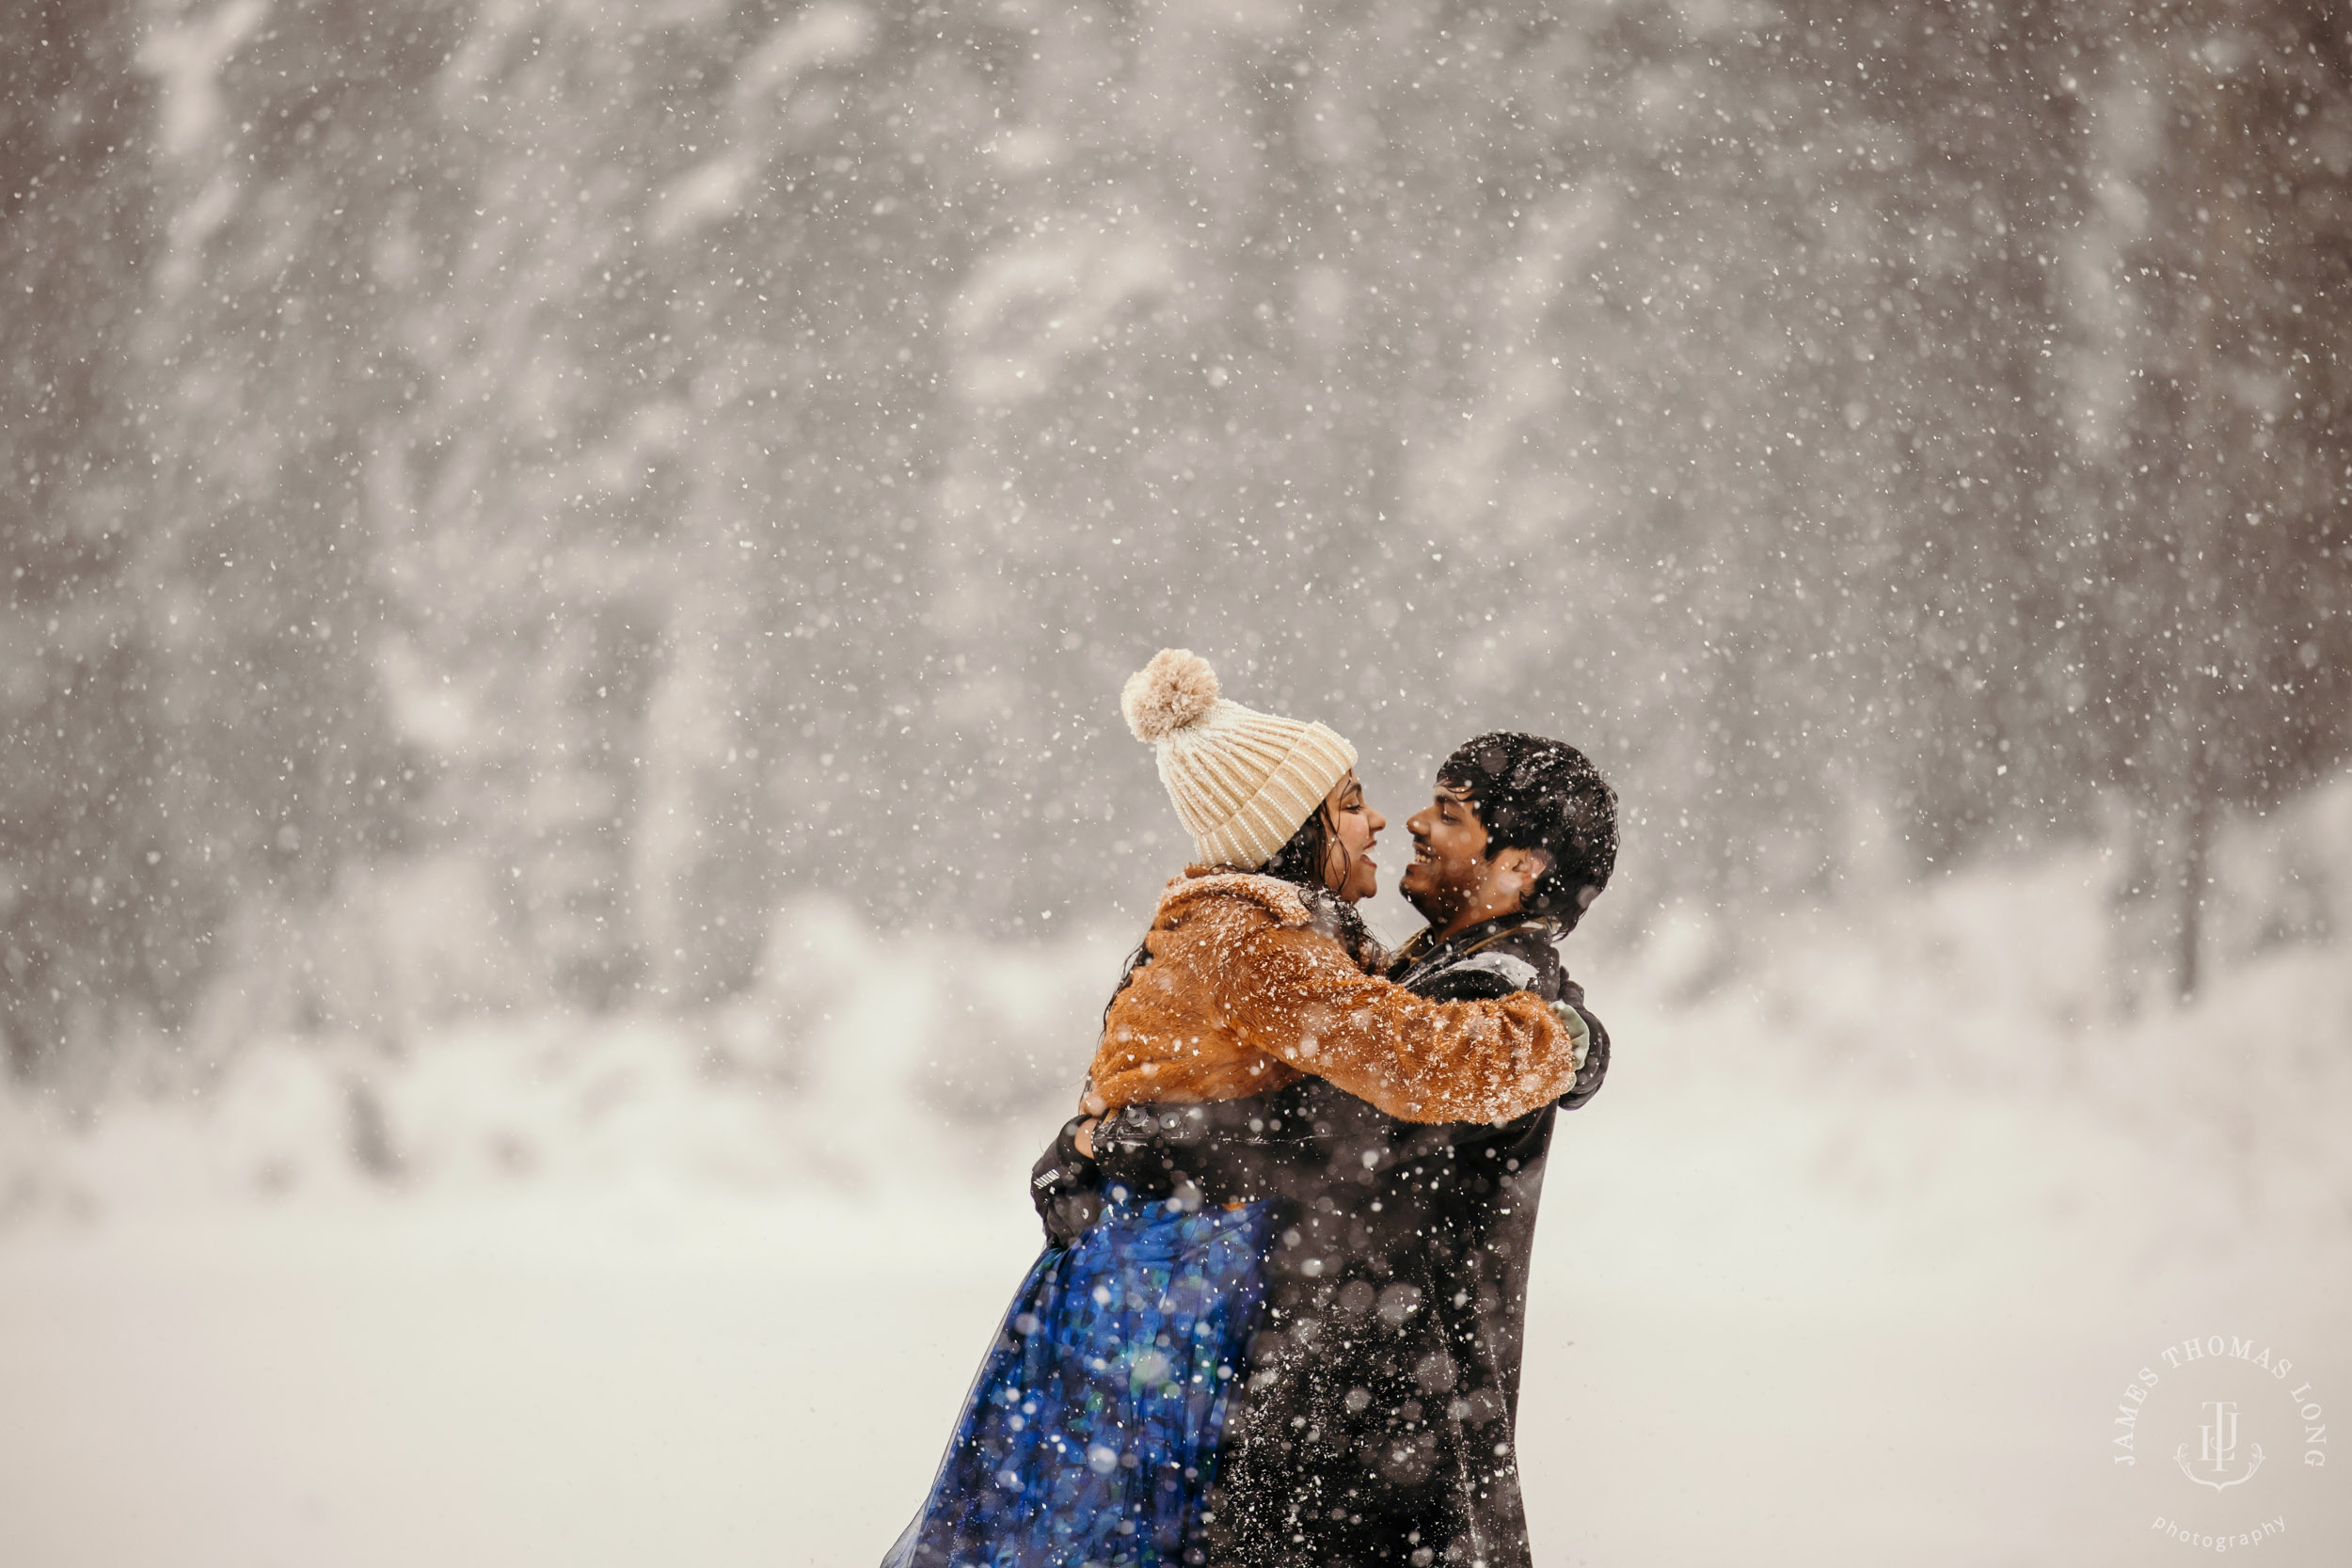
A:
{"points": [[1176, 690]]}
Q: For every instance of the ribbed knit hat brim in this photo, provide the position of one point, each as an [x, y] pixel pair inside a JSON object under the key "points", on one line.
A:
{"points": [[1242, 780]]}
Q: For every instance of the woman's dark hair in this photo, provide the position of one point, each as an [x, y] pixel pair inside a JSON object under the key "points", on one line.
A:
{"points": [[1305, 859], [1536, 794], [1304, 862]]}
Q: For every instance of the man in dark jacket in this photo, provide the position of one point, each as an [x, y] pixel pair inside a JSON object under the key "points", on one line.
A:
{"points": [[1377, 1421]]}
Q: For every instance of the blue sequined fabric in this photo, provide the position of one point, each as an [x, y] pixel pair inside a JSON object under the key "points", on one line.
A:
{"points": [[1092, 1427]]}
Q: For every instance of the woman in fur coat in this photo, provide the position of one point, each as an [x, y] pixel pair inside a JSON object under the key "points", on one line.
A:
{"points": [[1091, 1428]]}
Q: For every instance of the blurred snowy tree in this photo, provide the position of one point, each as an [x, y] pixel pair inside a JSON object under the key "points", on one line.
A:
{"points": [[269, 374], [2210, 401], [95, 923]]}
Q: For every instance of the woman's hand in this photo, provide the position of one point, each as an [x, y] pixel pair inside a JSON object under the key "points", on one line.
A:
{"points": [[1092, 1106]]}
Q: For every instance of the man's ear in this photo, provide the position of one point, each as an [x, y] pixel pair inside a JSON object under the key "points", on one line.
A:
{"points": [[1525, 867]]}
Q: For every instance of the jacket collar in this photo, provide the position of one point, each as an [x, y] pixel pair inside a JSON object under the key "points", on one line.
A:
{"points": [[1420, 953], [1278, 898]]}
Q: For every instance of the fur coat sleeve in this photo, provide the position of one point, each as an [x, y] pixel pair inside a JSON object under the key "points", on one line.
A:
{"points": [[1240, 994]]}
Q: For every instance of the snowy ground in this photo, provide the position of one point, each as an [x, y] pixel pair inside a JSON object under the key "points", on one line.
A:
{"points": [[1850, 1264]]}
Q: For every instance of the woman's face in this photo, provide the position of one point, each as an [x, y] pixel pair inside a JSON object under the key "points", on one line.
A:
{"points": [[1349, 870]]}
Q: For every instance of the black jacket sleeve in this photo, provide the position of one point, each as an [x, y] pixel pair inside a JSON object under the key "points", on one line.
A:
{"points": [[1285, 1144]]}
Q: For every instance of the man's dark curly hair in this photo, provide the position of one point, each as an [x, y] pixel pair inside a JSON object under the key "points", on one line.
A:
{"points": [[1536, 794]]}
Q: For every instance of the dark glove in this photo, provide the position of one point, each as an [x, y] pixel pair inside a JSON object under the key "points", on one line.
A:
{"points": [[1066, 1188]]}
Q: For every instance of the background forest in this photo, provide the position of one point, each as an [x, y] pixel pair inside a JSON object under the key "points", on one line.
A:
{"points": [[586, 470]]}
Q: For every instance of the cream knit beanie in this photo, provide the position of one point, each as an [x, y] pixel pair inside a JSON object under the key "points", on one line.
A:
{"points": [[1242, 780]]}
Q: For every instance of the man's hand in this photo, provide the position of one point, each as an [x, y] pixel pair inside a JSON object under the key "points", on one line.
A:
{"points": [[1570, 1020]]}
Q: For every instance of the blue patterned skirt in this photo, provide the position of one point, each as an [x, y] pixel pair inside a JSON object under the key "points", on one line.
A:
{"points": [[1091, 1431]]}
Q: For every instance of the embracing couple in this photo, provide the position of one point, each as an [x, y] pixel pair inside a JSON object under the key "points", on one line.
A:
{"points": [[1278, 1318]]}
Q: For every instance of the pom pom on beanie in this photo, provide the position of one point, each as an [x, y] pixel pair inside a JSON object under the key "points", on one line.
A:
{"points": [[1174, 692]]}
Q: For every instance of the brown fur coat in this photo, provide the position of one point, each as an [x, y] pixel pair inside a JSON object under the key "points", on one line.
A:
{"points": [[1242, 995]]}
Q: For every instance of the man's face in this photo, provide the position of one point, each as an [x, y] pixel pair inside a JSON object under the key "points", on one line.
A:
{"points": [[1449, 871]]}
